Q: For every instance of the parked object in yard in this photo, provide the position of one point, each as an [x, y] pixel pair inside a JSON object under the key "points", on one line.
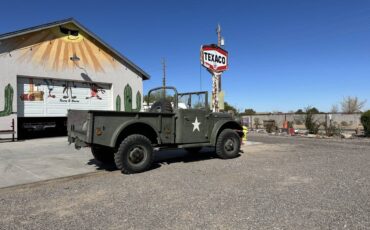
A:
{"points": [[245, 131], [346, 135], [128, 138]]}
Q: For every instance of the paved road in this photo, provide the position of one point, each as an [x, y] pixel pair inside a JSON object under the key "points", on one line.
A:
{"points": [[285, 183]]}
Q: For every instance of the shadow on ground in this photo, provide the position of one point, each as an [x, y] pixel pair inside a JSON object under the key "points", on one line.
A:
{"points": [[166, 157]]}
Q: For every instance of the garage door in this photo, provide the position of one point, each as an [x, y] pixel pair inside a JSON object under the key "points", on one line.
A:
{"points": [[52, 98]]}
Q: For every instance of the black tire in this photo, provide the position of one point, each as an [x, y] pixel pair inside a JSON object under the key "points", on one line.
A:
{"points": [[102, 154], [228, 144], [135, 154], [193, 150], [161, 106]]}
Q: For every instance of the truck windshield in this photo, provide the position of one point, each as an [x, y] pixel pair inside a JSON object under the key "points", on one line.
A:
{"points": [[196, 100], [162, 93]]}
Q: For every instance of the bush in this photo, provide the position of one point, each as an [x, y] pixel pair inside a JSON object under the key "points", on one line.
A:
{"points": [[311, 125], [365, 120], [257, 122], [270, 126], [332, 130]]}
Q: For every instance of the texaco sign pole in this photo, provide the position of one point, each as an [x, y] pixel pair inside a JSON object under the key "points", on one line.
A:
{"points": [[215, 59], [216, 77]]}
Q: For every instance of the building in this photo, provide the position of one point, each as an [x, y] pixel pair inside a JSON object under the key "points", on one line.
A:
{"points": [[48, 69]]}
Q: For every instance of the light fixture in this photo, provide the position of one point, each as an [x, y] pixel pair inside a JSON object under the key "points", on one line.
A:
{"points": [[74, 58]]}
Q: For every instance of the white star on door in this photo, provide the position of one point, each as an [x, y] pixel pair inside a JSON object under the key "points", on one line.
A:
{"points": [[196, 124]]}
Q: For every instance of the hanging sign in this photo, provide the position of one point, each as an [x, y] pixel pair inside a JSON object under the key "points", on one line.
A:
{"points": [[214, 58]]}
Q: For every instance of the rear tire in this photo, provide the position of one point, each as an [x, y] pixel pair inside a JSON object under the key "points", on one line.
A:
{"points": [[135, 154], [228, 144], [103, 154]]}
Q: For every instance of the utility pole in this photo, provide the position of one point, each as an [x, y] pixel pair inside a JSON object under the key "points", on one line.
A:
{"points": [[218, 32], [164, 77]]}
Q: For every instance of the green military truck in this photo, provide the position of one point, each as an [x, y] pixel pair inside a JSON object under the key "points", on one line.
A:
{"points": [[174, 120]]}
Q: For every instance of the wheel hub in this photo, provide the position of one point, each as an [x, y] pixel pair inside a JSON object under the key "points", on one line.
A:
{"points": [[229, 145], [136, 155]]}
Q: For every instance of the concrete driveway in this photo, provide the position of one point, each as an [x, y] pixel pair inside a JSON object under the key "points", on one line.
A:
{"points": [[41, 159], [47, 158]]}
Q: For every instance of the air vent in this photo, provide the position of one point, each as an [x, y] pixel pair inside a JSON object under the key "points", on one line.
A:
{"points": [[67, 31]]}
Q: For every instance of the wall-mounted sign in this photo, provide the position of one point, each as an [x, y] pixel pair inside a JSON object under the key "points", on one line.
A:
{"points": [[214, 58]]}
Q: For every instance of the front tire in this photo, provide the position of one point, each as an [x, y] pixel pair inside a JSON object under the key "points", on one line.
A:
{"points": [[228, 144], [102, 154], [135, 154]]}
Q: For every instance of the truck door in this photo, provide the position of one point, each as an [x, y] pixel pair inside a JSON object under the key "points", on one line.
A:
{"points": [[192, 122], [192, 126]]}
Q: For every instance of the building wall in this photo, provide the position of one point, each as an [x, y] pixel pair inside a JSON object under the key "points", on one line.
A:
{"points": [[46, 54]]}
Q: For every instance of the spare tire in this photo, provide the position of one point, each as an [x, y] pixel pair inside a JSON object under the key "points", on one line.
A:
{"points": [[161, 106]]}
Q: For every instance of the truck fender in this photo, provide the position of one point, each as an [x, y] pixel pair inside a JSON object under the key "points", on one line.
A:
{"points": [[125, 125], [221, 125]]}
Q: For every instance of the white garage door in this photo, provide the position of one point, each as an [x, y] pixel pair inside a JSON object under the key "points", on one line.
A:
{"points": [[52, 98]]}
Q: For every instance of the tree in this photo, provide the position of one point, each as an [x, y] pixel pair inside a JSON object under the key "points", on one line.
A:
{"points": [[352, 104], [365, 120], [249, 112], [311, 124], [312, 110], [334, 109], [299, 111], [228, 107], [257, 122]]}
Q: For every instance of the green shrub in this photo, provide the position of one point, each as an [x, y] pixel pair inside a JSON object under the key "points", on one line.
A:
{"points": [[365, 120], [270, 128], [311, 124]]}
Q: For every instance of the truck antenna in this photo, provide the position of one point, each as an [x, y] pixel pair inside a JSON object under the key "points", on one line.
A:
{"points": [[164, 77]]}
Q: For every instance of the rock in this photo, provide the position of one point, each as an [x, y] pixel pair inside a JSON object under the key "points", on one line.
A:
{"points": [[346, 135], [261, 131], [311, 135]]}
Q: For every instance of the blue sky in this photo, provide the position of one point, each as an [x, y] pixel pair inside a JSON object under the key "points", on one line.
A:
{"points": [[284, 55]]}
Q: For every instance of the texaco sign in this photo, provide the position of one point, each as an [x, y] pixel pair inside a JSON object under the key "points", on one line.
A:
{"points": [[214, 58]]}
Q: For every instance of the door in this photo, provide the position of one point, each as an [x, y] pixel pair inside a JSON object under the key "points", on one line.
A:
{"points": [[52, 98], [128, 98], [192, 126]]}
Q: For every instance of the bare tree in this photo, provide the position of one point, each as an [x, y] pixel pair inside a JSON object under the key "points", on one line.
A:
{"points": [[257, 122], [334, 109], [352, 104]]}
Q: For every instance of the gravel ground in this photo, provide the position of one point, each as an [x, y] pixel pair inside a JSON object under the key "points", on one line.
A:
{"points": [[284, 183]]}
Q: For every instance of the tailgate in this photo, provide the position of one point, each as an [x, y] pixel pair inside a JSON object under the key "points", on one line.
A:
{"points": [[79, 126]]}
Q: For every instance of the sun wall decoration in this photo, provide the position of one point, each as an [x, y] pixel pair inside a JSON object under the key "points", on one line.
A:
{"points": [[53, 48]]}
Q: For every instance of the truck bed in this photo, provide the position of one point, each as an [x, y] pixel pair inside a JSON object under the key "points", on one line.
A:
{"points": [[86, 127]]}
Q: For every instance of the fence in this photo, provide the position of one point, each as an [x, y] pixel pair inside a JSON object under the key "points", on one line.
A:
{"points": [[348, 122]]}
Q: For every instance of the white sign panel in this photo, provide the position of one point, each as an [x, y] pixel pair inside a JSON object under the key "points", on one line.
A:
{"points": [[214, 58]]}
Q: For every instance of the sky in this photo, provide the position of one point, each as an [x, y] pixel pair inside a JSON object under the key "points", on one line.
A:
{"points": [[283, 54]]}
